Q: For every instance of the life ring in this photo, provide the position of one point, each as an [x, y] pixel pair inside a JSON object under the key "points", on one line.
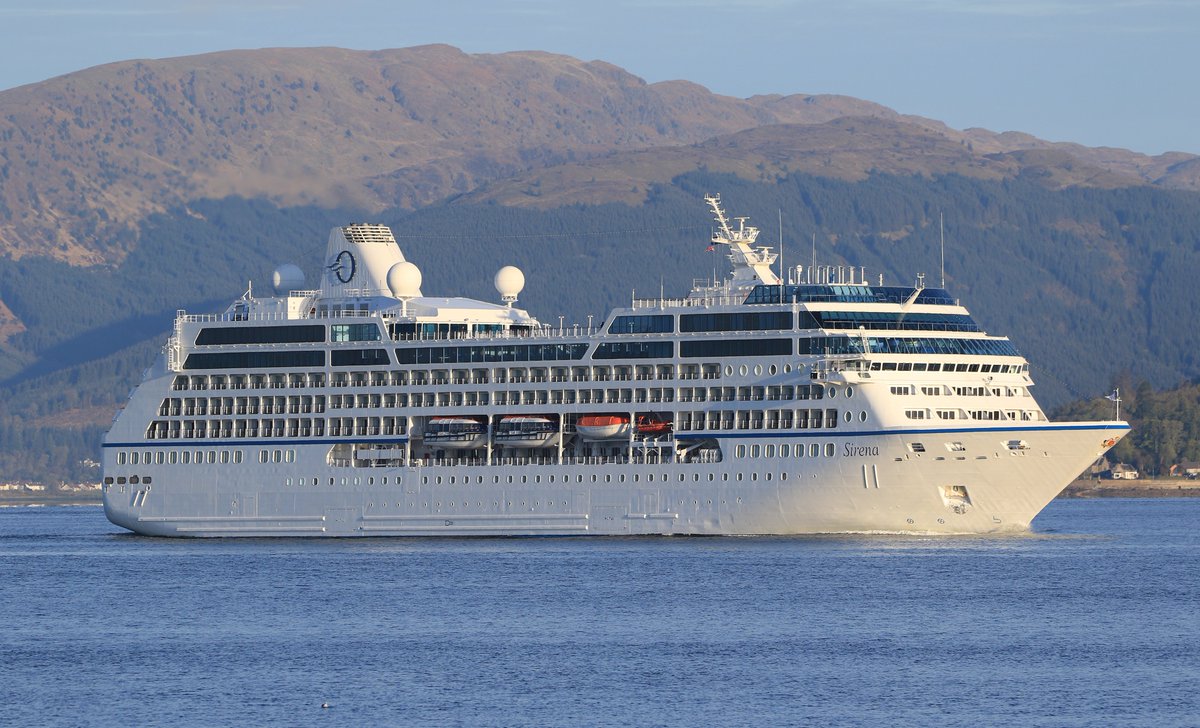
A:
{"points": [[1110, 442]]}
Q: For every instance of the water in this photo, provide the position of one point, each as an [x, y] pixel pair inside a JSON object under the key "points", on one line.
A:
{"points": [[1091, 620]]}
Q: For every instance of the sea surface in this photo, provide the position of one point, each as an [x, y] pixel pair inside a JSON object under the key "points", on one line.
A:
{"points": [[1091, 620]]}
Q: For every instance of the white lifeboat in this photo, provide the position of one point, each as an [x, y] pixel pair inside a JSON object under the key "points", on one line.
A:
{"points": [[525, 431], [603, 427], [455, 433]]}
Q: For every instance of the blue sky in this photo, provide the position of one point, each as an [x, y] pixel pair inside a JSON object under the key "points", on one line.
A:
{"points": [[1099, 72]]}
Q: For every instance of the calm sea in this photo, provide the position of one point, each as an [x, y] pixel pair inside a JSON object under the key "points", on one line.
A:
{"points": [[1092, 620]]}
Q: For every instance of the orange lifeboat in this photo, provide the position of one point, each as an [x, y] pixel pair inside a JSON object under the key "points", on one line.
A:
{"points": [[652, 427], [603, 427]]}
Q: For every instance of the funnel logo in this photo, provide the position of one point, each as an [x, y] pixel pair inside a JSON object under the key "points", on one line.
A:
{"points": [[343, 266]]}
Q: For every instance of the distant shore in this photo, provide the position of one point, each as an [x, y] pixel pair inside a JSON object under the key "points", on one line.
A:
{"points": [[51, 498], [1144, 488]]}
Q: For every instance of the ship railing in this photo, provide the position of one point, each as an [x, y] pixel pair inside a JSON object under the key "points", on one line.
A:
{"points": [[700, 301]]}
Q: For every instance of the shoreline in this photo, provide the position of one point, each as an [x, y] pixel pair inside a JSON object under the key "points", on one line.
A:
{"points": [[1144, 488]]}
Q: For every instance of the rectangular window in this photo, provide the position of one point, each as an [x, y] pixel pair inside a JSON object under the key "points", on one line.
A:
{"points": [[657, 324], [261, 335], [635, 350], [736, 347], [354, 332], [761, 321], [255, 360], [359, 357]]}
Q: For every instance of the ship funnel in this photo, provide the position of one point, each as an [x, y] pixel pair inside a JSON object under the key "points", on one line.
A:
{"points": [[358, 259]]}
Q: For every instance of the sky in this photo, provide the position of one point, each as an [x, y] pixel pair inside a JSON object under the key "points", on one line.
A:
{"points": [[1118, 73]]}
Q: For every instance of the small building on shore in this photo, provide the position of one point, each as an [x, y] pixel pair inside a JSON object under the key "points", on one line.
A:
{"points": [[1123, 471], [1189, 470]]}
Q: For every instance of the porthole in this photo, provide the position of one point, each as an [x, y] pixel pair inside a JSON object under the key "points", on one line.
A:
{"points": [[831, 391], [785, 451], [787, 368], [758, 370], [829, 449], [814, 450], [849, 392], [772, 370], [849, 416], [728, 371], [862, 416], [742, 370]]}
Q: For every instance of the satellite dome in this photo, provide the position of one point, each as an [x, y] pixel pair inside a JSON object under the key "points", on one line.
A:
{"points": [[509, 282], [404, 280], [287, 277]]}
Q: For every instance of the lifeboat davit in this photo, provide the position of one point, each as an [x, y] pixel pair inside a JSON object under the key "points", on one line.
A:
{"points": [[525, 431], [455, 433], [603, 427]]}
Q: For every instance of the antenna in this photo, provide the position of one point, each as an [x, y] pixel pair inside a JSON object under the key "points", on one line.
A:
{"points": [[814, 259], [781, 281], [942, 231]]}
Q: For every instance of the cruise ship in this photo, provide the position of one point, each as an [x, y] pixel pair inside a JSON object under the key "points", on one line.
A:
{"points": [[798, 401]]}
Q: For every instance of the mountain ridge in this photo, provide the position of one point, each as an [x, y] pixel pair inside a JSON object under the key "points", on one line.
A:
{"points": [[84, 157]]}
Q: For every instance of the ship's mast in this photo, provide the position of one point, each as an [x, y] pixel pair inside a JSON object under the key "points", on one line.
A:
{"points": [[751, 266]]}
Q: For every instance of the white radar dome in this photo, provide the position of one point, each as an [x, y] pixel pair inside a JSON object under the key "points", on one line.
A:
{"points": [[287, 277], [509, 282], [404, 280]]}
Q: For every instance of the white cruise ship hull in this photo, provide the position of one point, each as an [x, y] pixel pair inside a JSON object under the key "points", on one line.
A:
{"points": [[984, 487]]}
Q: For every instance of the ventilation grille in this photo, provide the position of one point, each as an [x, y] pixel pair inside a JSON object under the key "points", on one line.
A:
{"points": [[363, 233]]}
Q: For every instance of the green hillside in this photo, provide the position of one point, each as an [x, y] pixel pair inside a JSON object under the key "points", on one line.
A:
{"points": [[1087, 282]]}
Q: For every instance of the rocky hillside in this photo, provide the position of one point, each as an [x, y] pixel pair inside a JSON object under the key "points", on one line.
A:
{"points": [[84, 157]]}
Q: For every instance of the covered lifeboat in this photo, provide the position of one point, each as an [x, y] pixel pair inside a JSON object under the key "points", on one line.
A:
{"points": [[525, 431], [603, 427], [456, 433]]}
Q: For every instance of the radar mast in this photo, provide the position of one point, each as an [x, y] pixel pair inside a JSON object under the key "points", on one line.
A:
{"points": [[751, 266]]}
